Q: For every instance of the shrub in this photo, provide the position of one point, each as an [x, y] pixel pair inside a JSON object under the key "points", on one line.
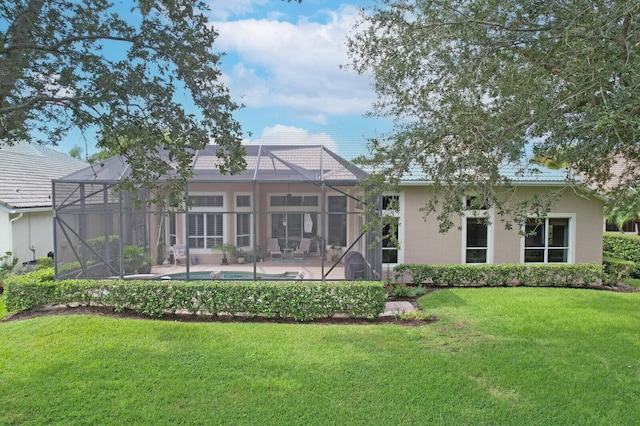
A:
{"points": [[301, 301], [417, 315], [617, 269], [566, 275], [624, 247], [44, 262]]}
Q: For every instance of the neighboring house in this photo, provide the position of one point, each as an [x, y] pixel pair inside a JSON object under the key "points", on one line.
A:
{"points": [[294, 193], [632, 226], [26, 172]]}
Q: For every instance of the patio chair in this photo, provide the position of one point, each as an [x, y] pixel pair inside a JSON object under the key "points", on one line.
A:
{"points": [[179, 253], [273, 248], [303, 249]]}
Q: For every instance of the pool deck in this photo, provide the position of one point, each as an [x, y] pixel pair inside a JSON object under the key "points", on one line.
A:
{"points": [[310, 267]]}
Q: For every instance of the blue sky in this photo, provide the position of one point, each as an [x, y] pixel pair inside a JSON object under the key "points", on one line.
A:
{"points": [[282, 61]]}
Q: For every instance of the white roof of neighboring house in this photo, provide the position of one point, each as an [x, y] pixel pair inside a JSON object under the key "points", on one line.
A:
{"points": [[26, 171]]}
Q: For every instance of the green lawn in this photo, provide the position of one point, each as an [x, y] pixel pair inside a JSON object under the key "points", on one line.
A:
{"points": [[633, 281], [497, 356]]}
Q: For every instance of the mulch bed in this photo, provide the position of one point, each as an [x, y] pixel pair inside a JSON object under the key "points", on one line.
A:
{"points": [[178, 317]]}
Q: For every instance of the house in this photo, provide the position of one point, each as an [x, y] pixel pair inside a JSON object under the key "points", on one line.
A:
{"points": [[290, 194], [570, 233], [26, 171]]}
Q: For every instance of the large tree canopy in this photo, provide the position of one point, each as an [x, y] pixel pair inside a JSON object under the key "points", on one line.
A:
{"points": [[129, 75], [477, 85]]}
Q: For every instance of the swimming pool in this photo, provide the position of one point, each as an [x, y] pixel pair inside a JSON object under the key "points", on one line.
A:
{"points": [[231, 275]]}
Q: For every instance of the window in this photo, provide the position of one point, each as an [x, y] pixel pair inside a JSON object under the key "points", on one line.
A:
{"points": [[389, 239], [390, 230], [475, 203], [546, 240], [293, 200], [206, 221], [627, 227], [172, 229], [207, 200], [337, 220], [205, 230], [243, 230], [243, 200], [477, 240], [477, 231]]}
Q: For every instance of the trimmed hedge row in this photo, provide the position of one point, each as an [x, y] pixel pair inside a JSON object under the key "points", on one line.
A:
{"points": [[557, 275], [617, 269], [301, 301], [623, 247]]}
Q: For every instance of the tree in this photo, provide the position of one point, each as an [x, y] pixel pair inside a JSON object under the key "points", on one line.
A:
{"points": [[76, 152], [624, 208], [477, 85], [127, 75]]}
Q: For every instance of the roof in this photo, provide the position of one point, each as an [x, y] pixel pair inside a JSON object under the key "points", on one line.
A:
{"points": [[265, 163], [524, 173], [26, 171]]}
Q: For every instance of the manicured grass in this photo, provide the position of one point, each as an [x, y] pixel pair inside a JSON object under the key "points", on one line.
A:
{"points": [[633, 281], [497, 356]]}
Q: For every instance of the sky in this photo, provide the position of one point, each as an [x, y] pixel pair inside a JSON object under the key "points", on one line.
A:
{"points": [[283, 63]]}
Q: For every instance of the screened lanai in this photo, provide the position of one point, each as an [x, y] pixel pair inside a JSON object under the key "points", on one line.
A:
{"points": [[297, 209]]}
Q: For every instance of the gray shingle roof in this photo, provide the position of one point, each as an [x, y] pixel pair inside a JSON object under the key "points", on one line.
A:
{"points": [[26, 171]]}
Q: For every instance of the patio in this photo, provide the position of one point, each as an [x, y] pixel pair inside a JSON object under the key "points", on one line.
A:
{"points": [[312, 268], [297, 196]]}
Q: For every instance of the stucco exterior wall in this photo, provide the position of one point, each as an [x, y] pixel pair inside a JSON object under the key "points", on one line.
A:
{"points": [[423, 243], [263, 225], [4, 232], [33, 229]]}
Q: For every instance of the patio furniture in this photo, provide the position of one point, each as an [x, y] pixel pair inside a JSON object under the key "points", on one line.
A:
{"points": [[179, 253], [354, 266], [287, 253], [303, 249], [273, 248]]}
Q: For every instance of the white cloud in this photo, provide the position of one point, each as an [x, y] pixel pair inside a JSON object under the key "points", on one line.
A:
{"points": [[289, 135], [295, 66]]}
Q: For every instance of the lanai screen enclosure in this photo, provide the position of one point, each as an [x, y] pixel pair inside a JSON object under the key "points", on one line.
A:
{"points": [[287, 193]]}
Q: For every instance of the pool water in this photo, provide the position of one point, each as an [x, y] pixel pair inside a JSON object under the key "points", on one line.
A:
{"points": [[231, 275]]}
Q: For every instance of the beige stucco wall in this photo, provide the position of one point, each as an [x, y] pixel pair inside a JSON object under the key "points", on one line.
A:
{"points": [[263, 220], [423, 243]]}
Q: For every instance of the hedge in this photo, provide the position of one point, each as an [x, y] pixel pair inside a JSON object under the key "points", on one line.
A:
{"points": [[301, 301], [562, 275], [617, 269], [623, 246]]}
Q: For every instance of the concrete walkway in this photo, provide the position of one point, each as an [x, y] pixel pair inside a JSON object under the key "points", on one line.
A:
{"points": [[397, 308]]}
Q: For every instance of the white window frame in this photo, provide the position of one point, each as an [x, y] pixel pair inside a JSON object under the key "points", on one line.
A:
{"points": [[243, 210], [489, 214], [571, 255], [400, 215], [205, 210]]}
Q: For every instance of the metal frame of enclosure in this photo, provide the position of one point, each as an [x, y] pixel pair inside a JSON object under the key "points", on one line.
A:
{"points": [[287, 192]]}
